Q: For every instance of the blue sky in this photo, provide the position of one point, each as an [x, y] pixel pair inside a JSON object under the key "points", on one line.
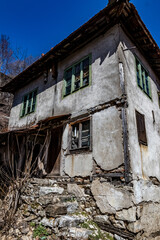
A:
{"points": [[38, 25]]}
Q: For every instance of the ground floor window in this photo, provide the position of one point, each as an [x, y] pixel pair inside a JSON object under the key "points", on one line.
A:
{"points": [[80, 135]]}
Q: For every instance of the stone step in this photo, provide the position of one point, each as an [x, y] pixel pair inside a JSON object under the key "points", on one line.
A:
{"points": [[48, 181]]}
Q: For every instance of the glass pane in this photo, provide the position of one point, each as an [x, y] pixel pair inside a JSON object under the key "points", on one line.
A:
{"points": [[75, 136], [147, 84], [29, 106], [85, 140], [68, 81], [34, 100], [143, 78], [69, 74], [24, 106], [24, 109], [25, 99], [86, 71], [138, 77], [86, 125], [77, 76], [68, 89], [138, 73]]}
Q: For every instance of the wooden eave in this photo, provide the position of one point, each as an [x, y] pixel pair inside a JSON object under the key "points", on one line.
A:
{"points": [[123, 13], [139, 34], [42, 125]]}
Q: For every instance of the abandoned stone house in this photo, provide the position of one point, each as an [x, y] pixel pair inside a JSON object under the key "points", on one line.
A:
{"points": [[94, 99]]}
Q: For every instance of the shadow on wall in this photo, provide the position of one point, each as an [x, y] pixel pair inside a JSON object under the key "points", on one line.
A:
{"points": [[42, 86]]}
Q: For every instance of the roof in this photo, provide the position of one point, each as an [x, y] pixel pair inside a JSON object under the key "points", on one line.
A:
{"points": [[120, 12]]}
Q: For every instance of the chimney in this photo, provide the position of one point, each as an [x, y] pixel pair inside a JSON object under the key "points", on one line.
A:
{"points": [[113, 1]]}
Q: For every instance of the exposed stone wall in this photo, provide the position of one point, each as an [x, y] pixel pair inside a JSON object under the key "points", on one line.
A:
{"points": [[5, 104], [83, 208]]}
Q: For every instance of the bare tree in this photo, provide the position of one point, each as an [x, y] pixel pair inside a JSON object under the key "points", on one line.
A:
{"points": [[13, 61]]}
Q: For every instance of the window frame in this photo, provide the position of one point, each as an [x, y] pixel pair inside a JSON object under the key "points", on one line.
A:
{"points": [[80, 149], [27, 102], [143, 76], [72, 67]]}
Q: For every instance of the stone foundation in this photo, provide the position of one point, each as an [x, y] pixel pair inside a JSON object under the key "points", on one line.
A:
{"points": [[78, 208]]}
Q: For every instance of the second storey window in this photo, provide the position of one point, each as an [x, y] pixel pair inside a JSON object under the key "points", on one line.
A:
{"points": [[77, 76], [29, 103], [143, 79], [80, 137]]}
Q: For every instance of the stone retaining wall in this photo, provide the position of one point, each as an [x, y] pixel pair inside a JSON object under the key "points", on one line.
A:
{"points": [[81, 208]]}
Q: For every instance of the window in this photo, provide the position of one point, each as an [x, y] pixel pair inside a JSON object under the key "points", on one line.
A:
{"points": [[29, 103], [141, 129], [143, 79], [77, 76], [80, 135]]}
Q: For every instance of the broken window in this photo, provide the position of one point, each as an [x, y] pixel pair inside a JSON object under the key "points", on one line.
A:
{"points": [[29, 103], [80, 137], [143, 79], [77, 76], [141, 129]]}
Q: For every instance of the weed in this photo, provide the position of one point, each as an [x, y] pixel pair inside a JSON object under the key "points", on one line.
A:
{"points": [[32, 224], [40, 231]]}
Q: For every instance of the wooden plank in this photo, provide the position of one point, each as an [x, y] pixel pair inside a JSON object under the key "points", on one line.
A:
{"points": [[111, 174], [114, 230], [125, 145]]}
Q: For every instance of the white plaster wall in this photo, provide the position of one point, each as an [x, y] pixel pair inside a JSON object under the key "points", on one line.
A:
{"points": [[104, 87], [44, 103], [107, 149], [107, 125], [107, 139], [105, 79], [79, 165], [145, 161]]}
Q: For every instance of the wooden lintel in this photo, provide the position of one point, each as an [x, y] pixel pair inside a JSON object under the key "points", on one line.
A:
{"points": [[111, 174]]}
